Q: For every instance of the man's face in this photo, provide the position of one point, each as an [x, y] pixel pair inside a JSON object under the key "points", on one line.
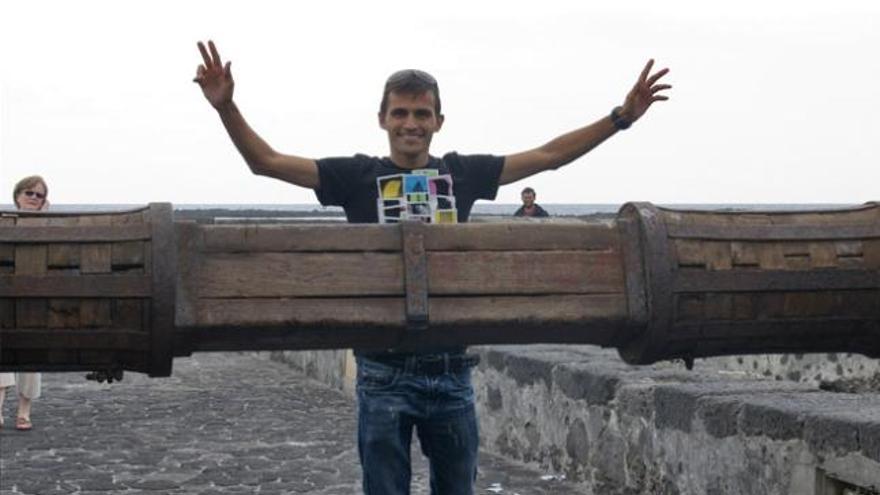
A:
{"points": [[528, 199], [411, 122]]}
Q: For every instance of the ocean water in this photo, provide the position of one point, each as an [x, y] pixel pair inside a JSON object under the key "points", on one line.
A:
{"points": [[480, 208]]}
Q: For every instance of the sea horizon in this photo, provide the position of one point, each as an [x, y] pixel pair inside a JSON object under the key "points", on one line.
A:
{"points": [[480, 208]]}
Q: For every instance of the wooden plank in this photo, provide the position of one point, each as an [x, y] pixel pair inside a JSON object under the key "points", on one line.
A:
{"points": [[381, 311], [719, 306], [718, 255], [79, 286], [96, 313], [31, 262], [31, 313], [26, 214], [525, 272], [847, 249], [519, 236], [163, 279], [744, 254], [744, 307], [299, 238], [633, 266], [63, 313], [774, 280], [127, 313], [296, 274], [823, 255], [514, 310], [831, 231], [771, 256], [690, 307], [68, 338], [7, 313], [95, 257], [190, 247], [7, 254], [461, 237], [415, 263], [795, 332], [63, 256], [7, 250], [128, 256], [82, 233], [872, 254], [390, 311], [857, 304], [690, 253]]}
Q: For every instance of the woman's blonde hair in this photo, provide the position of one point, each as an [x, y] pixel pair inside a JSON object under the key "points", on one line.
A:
{"points": [[27, 183]]}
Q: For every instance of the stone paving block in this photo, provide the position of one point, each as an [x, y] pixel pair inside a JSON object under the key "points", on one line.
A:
{"points": [[636, 399], [589, 382], [773, 420], [674, 407], [720, 415], [224, 424], [869, 439]]}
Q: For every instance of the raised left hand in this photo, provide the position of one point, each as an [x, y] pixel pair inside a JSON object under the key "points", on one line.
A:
{"points": [[644, 93]]}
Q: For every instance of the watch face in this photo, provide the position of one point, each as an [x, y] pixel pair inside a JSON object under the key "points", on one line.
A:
{"points": [[618, 121]]}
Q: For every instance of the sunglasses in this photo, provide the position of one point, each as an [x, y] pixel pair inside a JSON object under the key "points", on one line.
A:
{"points": [[34, 194], [406, 74]]}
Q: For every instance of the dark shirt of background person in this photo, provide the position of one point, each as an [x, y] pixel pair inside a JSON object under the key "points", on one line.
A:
{"points": [[529, 208]]}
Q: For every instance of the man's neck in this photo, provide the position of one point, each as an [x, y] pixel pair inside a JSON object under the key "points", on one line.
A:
{"points": [[410, 162]]}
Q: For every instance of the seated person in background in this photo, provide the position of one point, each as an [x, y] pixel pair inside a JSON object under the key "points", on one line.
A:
{"points": [[529, 208], [30, 193]]}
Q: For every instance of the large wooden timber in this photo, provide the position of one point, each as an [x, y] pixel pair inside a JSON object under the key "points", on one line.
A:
{"points": [[709, 283], [87, 291], [131, 290], [398, 286]]}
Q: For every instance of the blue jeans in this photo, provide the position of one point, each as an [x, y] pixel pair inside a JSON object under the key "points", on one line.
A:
{"points": [[392, 400]]}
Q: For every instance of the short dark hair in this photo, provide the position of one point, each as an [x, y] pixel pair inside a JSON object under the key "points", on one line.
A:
{"points": [[411, 82], [528, 190]]}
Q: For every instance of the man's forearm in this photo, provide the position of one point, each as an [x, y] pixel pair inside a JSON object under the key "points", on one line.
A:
{"points": [[253, 149], [557, 152], [572, 145]]}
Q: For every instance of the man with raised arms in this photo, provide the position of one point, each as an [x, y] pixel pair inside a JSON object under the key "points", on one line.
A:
{"points": [[430, 390]]}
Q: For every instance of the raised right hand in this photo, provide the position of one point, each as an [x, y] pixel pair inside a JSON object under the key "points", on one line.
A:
{"points": [[214, 78]]}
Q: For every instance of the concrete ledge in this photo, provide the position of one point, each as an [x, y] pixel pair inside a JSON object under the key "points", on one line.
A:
{"points": [[582, 412]]}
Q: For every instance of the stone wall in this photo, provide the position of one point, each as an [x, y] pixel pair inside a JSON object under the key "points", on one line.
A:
{"points": [[580, 412]]}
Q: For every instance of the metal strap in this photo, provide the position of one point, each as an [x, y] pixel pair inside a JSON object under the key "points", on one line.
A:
{"points": [[415, 262]]}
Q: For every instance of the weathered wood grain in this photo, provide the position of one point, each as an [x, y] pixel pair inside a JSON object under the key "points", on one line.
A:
{"points": [[461, 237], [390, 311]]}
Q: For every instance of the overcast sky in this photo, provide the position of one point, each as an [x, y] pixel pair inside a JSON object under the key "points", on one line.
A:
{"points": [[773, 101]]}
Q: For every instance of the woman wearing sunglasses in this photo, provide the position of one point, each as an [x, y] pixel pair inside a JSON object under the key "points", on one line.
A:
{"points": [[30, 193]]}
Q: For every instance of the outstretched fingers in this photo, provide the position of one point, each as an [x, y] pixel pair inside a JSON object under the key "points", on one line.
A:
{"points": [[215, 54], [205, 57], [647, 70], [653, 79]]}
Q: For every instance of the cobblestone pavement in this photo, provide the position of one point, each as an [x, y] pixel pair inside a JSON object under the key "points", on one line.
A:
{"points": [[222, 424]]}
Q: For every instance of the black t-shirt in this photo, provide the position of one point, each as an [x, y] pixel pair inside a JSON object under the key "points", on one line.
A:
{"points": [[539, 212], [350, 182]]}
